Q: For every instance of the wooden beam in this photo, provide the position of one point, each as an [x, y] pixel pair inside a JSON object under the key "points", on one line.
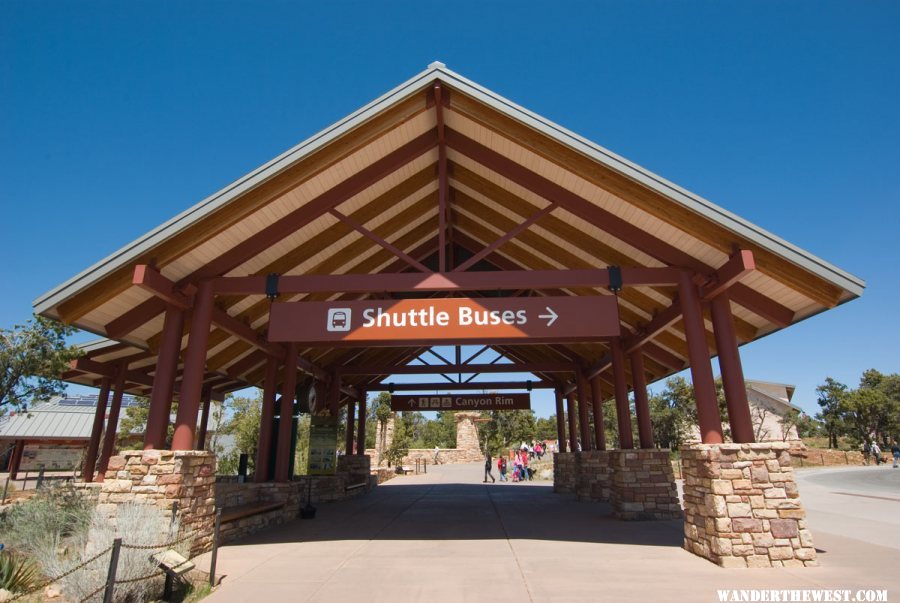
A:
{"points": [[461, 281], [427, 369], [738, 265], [380, 242]]}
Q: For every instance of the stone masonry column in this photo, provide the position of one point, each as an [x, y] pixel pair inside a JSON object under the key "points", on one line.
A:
{"points": [[564, 472], [163, 478], [467, 441], [642, 485], [742, 507], [592, 476]]}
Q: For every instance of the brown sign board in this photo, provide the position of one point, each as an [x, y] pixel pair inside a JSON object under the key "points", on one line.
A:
{"points": [[493, 401], [446, 321]]}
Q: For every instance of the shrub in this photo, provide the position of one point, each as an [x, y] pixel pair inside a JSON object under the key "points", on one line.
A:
{"points": [[137, 525], [17, 574], [53, 514]]}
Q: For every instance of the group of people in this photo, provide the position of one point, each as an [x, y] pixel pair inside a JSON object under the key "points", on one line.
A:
{"points": [[515, 469], [873, 450]]}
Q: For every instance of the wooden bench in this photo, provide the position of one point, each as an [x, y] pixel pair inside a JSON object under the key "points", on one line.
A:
{"points": [[249, 510], [404, 470]]}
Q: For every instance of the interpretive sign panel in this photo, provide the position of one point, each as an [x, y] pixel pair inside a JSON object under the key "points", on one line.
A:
{"points": [[456, 320], [322, 457], [462, 402]]}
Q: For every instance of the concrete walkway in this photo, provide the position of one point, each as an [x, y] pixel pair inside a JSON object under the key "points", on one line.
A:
{"points": [[445, 536]]}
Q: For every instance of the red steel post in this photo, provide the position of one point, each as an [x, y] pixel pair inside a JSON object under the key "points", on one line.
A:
{"points": [[194, 369], [267, 417], [584, 421], [597, 399], [90, 456], [573, 426], [204, 420], [623, 411], [560, 421], [285, 423], [732, 371], [112, 423], [164, 379], [361, 424], [698, 354], [641, 403], [16, 459]]}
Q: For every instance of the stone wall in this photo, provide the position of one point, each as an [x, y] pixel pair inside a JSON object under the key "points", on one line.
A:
{"points": [[742, 506], [163, 478], [642, 485], [592, 476], [564, 472], [468, 449]]}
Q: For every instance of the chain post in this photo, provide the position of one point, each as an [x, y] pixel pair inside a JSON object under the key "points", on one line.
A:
{"points": [[111, 575], [215, 548]]}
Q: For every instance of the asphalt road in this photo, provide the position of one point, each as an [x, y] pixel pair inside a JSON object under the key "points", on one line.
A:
{"points": [[873, 480]]}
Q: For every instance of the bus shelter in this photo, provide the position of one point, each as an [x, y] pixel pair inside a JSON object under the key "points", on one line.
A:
{"points": [[444, 214]]}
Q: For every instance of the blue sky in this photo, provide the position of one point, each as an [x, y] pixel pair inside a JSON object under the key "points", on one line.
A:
{"points": [[116, 116]]}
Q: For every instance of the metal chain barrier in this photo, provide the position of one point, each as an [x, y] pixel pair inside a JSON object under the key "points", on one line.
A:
{"points": [[96, 592], [47, 583], [145, 547], [164, 545], [147, 577]]}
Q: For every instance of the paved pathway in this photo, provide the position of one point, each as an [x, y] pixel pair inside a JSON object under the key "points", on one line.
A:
{"points": [[445, 536]]}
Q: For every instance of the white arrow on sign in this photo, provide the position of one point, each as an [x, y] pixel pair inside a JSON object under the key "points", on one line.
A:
{"points": [[552, 316]]}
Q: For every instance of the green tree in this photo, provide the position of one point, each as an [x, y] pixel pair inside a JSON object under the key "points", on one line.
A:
{"points": [[507, 429], [545, 428], [244, 426], [863, 410], [832, 399], [134, 421], [886, 412], [378, 413], [668, 421], [440, 431], [32, 358]]}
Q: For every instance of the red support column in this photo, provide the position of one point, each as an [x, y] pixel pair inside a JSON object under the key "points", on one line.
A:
{"points": [[623, 411], [698, 354], [16, 459], [266, 419], [164, 379], [560, 421], [351, 426], [204, 420], [112, 423], [361, 424], [90, 457], [194, 369], [597, 399], [732, 371], [573, 427], [641, 403], [584, 422], [285, 423], [334, 394]]}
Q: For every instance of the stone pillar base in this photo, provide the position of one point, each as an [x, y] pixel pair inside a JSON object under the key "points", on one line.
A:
{"points": [[592, 476], [742, 507], [163, 478], [356, 467], [643, 485], [564, 472]]}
